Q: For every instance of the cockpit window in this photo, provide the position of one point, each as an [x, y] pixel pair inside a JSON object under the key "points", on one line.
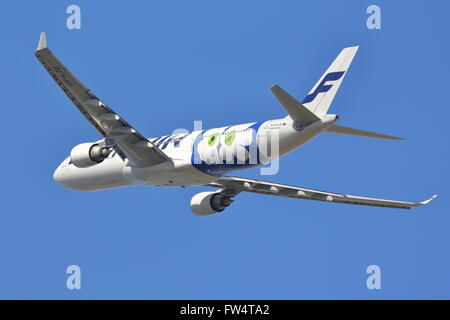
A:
{"points": [[66, 162]]}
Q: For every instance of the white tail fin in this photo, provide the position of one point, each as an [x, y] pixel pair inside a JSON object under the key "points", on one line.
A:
{"points": [[298, 112], [321, 95]]}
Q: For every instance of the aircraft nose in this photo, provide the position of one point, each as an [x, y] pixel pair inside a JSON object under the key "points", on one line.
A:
{"points": [[57, 175], [60, 176]]}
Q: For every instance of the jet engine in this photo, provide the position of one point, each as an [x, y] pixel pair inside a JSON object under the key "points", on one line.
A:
{"points": [[208, 203], [88, 154]]}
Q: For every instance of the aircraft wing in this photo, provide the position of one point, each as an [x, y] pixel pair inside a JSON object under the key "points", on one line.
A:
{"points": [[231, 186], [119, 135]]}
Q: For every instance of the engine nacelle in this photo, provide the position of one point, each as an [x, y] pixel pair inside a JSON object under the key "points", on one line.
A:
{"points": [[88, 154], [208, 203]]}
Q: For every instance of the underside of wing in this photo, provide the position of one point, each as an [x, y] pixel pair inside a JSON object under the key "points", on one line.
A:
{"points": [[234, 185], [118, 134]]}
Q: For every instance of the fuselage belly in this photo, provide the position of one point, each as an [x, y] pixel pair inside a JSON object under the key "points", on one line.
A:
{"points": [[197, 158]]}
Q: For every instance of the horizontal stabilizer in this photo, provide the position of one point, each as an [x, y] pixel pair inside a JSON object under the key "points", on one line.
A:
{"points": [[360, 133], [297, 111]]}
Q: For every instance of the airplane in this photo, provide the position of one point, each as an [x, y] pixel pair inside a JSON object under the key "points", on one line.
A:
{"points": [[124, 157]]}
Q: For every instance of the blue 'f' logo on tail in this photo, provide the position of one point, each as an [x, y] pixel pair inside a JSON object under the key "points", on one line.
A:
{"points": [[322, 87]]}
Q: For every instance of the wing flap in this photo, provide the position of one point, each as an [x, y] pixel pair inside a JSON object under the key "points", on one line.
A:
{"points": [[297, 111], [235, 185]]}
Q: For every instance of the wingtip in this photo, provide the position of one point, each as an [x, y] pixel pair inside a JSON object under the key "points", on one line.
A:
{"points": [[274, 87], [42, 41], [429, 199]]}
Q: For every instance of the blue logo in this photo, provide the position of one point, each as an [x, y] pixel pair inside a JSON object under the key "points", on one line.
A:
{"points": [[322, 87]]}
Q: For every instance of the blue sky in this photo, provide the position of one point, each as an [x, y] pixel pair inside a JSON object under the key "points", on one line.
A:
{"points": [[164, 64]]}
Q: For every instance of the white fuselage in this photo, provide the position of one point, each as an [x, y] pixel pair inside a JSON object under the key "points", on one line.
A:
{"points": [[197, 158]]}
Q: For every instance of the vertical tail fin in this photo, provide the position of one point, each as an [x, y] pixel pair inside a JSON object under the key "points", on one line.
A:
{"points": [[321, 95]]}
